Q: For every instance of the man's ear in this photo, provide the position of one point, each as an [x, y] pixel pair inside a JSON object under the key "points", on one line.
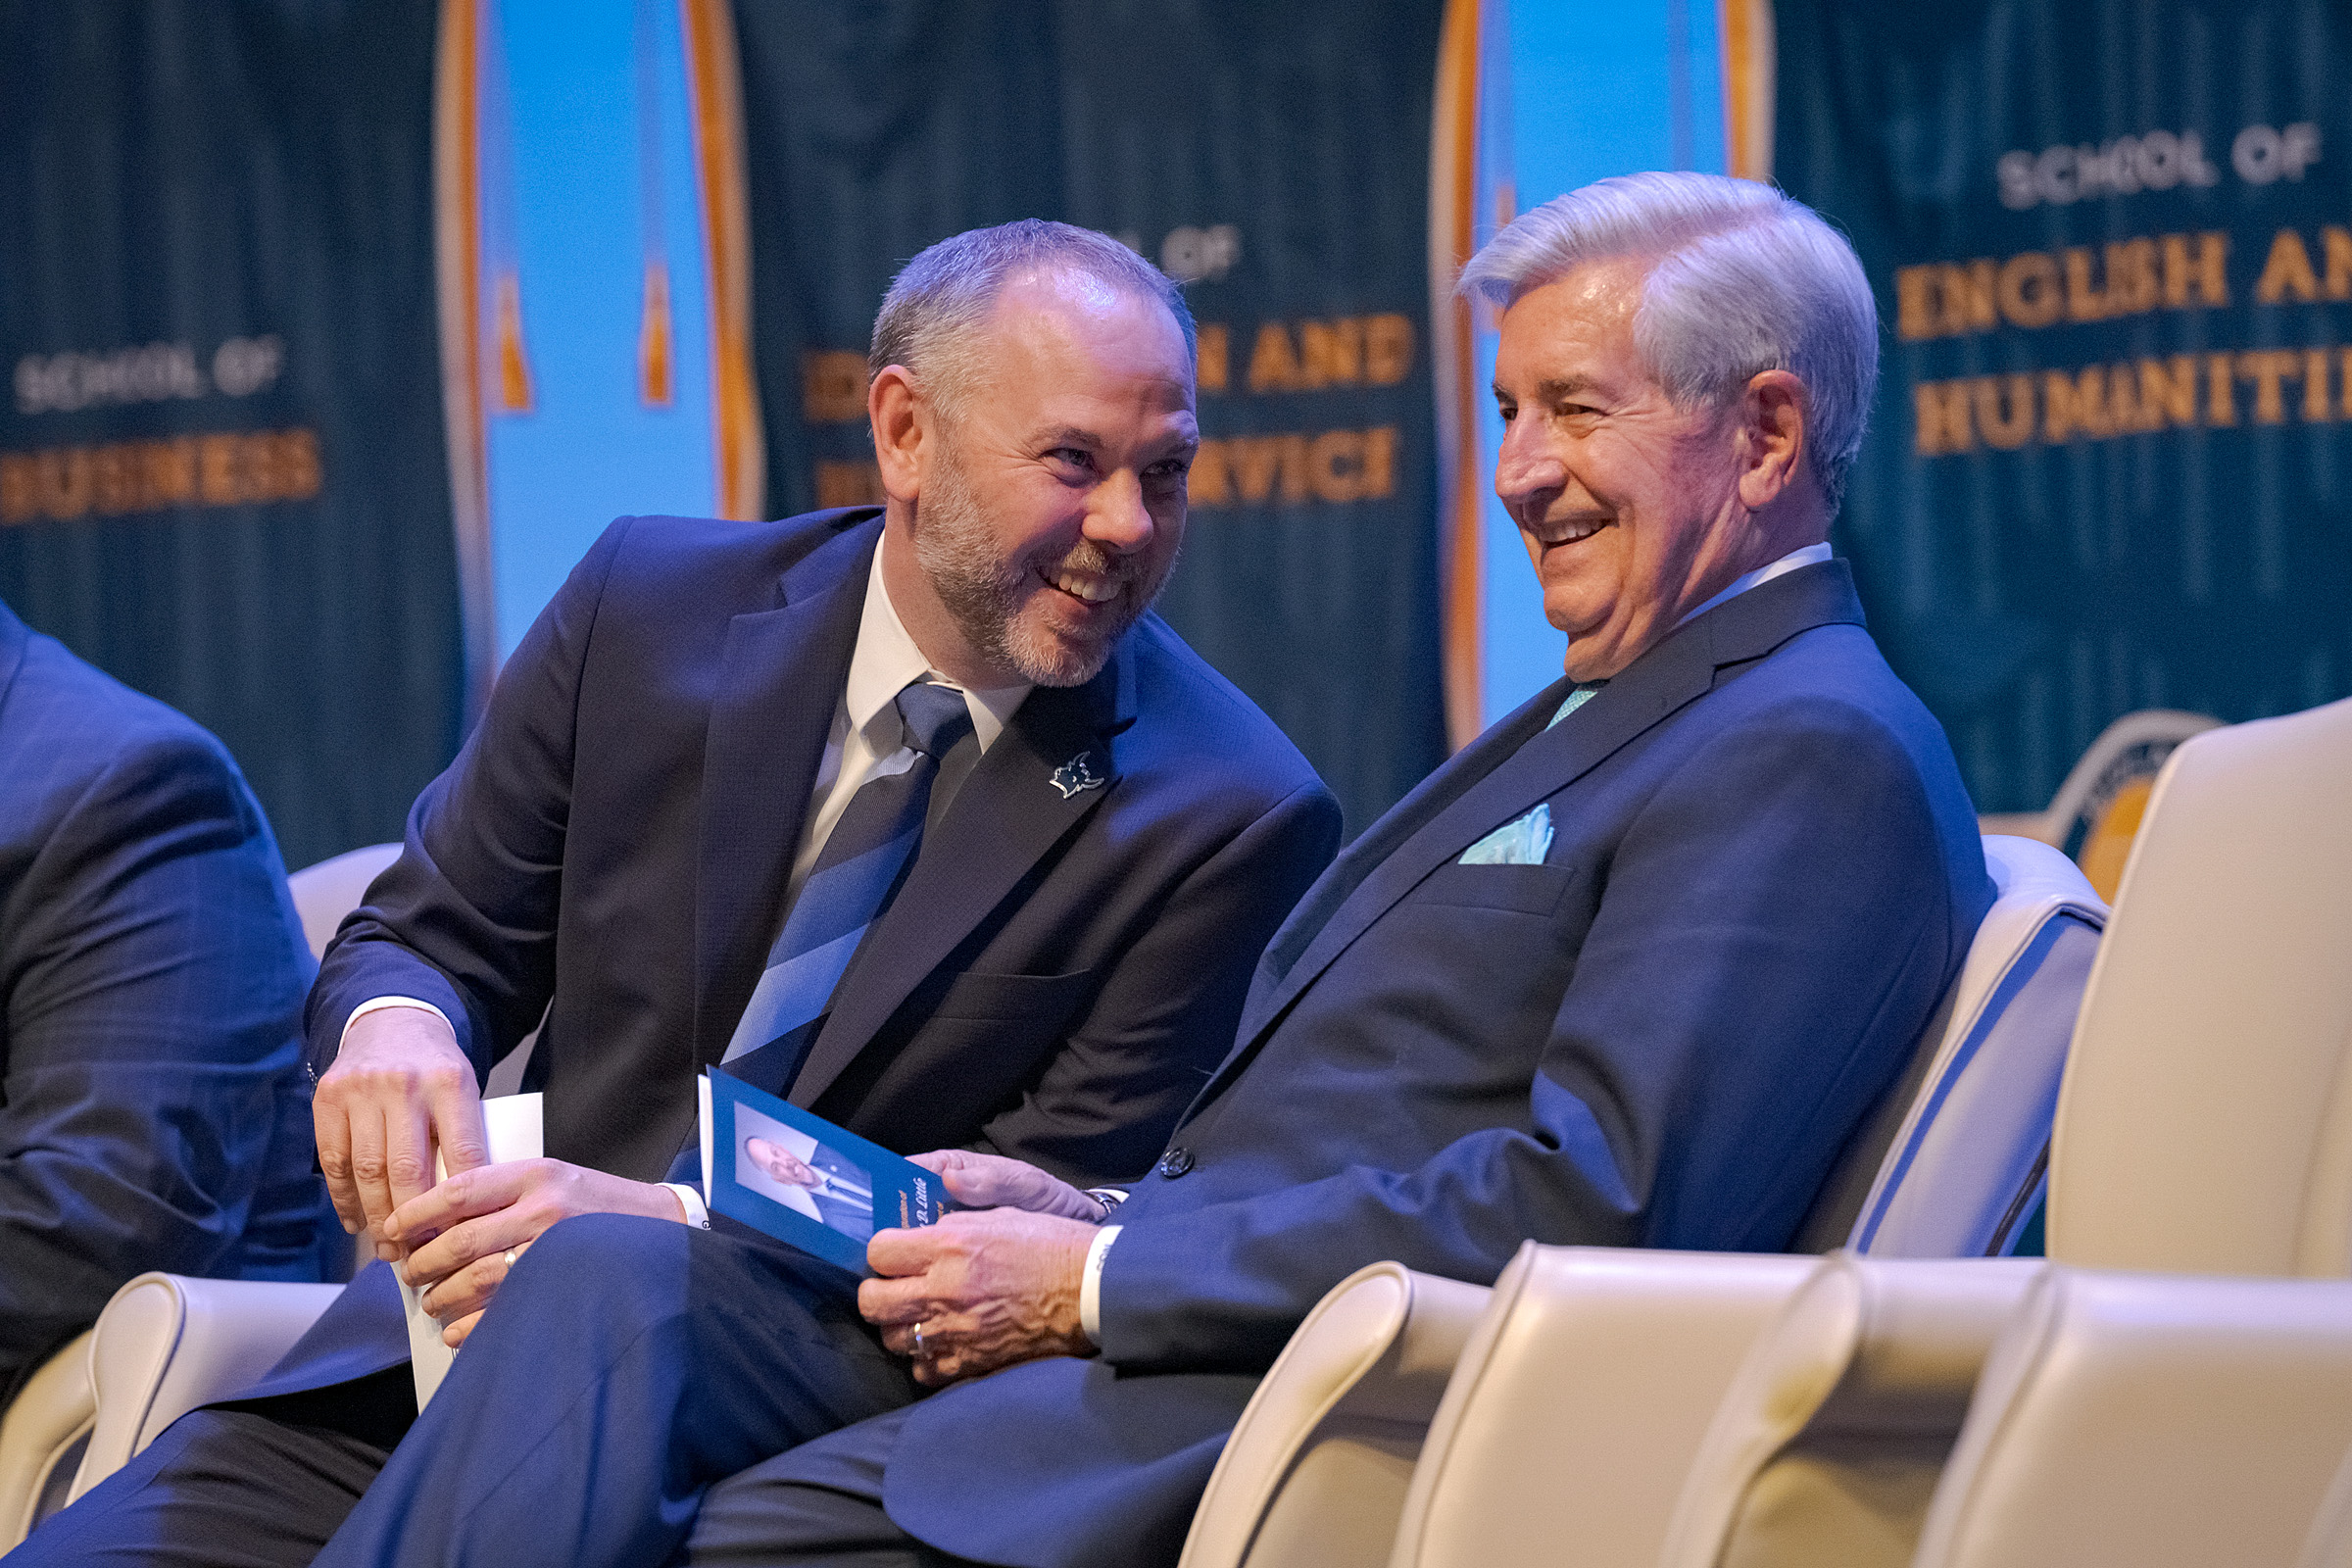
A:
{"points": [[1772, 437], [901, 431]]}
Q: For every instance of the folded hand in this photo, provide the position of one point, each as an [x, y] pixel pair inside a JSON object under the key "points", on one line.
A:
{"points": [[459, 1236]]}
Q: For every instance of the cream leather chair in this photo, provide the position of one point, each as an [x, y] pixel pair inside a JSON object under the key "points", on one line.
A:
{"points": [[2206, 1124], [41, 1439], [1622, 1355], [167, 1344], [324, 892], [2157, 1420], [1829, 1442]]}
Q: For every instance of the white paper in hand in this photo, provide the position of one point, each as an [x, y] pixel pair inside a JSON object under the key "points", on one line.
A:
{"points": [[511, 1124]]}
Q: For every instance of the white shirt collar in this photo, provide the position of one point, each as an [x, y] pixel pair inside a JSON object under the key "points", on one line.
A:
{"points": [[886, 659], [1810, 555]]}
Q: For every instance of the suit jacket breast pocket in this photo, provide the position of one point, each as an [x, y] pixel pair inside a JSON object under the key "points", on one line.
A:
{"points": [[1526, 889], [1036, 1002]]}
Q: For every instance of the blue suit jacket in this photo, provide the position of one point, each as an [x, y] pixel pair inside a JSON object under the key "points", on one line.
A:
{"points": [[1764, 875], [611, 848], [154, 1113]]}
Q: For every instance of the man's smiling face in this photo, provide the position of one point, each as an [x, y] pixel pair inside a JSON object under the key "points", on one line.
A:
{"points": [[1053, 504], [1628, 504]]}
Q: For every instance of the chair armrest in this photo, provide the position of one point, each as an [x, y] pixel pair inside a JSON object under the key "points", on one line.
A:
{"points": [[1317, 1468], [40, 1429], [1577, 1407], [166, 1345]]}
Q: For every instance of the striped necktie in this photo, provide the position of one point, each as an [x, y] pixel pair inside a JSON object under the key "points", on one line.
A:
{"points": [[860, 867]]}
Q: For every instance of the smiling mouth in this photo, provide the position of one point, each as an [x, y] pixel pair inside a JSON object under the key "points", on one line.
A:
{"points": [[1573, 532], [1086, 590]]}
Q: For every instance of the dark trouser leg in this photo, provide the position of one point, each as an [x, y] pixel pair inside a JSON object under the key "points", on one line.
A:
{"points": [[626, 1365], [255, 1485], [818, 1505]]}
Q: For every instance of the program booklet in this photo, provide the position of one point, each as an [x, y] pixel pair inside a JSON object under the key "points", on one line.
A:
{"points": [[803, 1180]]}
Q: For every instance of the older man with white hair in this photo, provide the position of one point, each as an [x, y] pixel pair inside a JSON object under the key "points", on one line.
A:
{"points": [[1630, 969]]}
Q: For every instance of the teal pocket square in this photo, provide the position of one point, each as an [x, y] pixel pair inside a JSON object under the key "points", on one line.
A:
{"points": [[1524, 841]]}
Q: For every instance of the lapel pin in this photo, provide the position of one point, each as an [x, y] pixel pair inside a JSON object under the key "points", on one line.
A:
{"points": [[1078, 773]]}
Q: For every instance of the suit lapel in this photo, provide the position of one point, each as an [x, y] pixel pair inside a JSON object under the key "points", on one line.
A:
{"points": [[1008, 813], [1514, 766], [780, 679]]}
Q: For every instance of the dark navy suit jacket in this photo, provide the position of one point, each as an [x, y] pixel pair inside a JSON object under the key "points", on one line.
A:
{"points": [[1764, 875], [1054, 980], [152, 1111]]}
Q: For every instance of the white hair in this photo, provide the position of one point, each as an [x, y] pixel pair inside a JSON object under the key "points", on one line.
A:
{"points": [[1742, 279]]}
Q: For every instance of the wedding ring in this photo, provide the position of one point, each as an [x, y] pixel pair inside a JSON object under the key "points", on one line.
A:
{"points": [[511, 1253], [919, 1342]]}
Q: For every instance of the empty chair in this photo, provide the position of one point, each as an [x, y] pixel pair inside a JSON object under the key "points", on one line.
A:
{"points": [[2206, 1124], [1952, 1164], [2157, 1420], [1828, 1446]]}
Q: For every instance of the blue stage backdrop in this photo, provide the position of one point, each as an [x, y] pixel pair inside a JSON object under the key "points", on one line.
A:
{"points": [[2112, 246], [222, 460], [1276, 158]]}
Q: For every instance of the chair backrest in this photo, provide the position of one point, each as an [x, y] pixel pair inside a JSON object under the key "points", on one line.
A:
{"points": [[1578, 1401], [2150, 1419], [324, 894], [1827, 1444], [1952, 1164], [2206, 1122], [2098, 809]]}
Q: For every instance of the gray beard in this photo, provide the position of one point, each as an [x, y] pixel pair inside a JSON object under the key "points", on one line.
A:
{"points": [[983, 591]]}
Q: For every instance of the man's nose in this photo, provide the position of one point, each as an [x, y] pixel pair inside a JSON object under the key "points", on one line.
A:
{"points": [[1526, 470], [1116, 517]]}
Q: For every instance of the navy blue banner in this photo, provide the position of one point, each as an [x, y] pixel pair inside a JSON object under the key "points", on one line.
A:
{"points": [[1276, 158], [222, 460], [2112, 245]]}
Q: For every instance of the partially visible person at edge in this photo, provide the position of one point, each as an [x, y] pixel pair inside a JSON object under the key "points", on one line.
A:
{"points": [[152, 971]]}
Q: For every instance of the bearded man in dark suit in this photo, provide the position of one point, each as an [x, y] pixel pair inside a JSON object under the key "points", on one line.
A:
{"points": [[916, 817]]}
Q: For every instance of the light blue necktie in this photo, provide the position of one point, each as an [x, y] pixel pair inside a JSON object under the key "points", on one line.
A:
{"points": [[1575, 699], [852, 883]]}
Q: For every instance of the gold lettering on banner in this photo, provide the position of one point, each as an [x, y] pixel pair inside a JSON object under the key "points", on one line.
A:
{"points": [[120, 478], [1332, 466], [2029, 292], [2266, 369], [1215, 355], [2101, 402], [2206, 274], [2221, 406], [2075, 402], [1348, 350], [2287, 272]]}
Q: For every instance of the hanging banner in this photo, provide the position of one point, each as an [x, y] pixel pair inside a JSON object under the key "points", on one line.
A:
{"points": [[2112, 247], [221, 466], [1275, 160]]}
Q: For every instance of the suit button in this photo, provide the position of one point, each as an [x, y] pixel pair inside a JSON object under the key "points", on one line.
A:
{"points": [[1175, 1163]]}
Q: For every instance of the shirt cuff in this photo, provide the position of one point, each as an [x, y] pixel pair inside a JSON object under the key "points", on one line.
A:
{"points": [[1090, 1284], [698, 1214], [378, 1005]]}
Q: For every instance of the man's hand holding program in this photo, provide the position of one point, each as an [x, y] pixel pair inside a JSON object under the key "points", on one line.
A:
{"points": [[991, 1285]]}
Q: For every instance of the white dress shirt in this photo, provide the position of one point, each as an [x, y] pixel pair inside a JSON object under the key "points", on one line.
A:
{"points": [[1089, 1283], [867, 741]]}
